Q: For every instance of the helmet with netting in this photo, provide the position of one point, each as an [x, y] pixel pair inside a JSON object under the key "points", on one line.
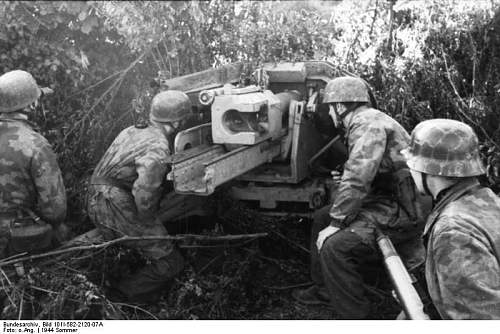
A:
{"points": [[346, 89], [444, 147], [18, 89], [170, 106]]}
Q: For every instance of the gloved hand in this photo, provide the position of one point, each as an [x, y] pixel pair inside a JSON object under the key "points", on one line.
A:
{"points": [[336, 175], [325, 234]]}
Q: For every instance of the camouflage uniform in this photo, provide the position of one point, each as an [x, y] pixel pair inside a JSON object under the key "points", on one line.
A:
{"points": [[365, 199], [29, 175], [137, 162], [129, 196], [462, 233], [463, 253]]}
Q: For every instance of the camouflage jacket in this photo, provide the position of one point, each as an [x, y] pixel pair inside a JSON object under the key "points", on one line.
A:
{"points": [[30, 177], [463, 253], [374, 142], [138, 159]]}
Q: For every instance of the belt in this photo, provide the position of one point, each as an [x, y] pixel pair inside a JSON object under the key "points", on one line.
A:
{"points": [[109, 181]]}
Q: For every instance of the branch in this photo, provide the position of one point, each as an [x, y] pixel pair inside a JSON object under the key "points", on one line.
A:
{"points": [[354, 40], [115, 84], [168, 56], [33, 16], [94, 85], [291, 242], [135, 307], [391, 23], [373, 19], [450, 79], [180, 237], [288, 287], [164, 64], [463, 104], [156, 61]]}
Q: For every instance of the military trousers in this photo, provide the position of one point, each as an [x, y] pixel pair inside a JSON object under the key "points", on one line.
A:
{"points": [[113, 211], [340, 264]]}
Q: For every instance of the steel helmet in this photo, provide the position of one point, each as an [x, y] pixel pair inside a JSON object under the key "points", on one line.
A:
{"points": [[444, 147], [346, 89], [170, 106], [18, 89]]}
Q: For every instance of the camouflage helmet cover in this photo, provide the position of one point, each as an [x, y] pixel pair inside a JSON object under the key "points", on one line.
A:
{"points": [[444, 147], [170, 106], [18, 89], [346, 89]]}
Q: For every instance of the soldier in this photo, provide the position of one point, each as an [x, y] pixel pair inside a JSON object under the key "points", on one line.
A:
{"points": [[33, 197], [462, 234], [343, 237], [127, 188]]}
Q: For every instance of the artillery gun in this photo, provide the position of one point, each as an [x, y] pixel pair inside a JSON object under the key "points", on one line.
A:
{"points": [[264, 135], [262, 142]]}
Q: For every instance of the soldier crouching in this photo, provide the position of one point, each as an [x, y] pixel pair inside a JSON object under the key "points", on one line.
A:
{"points": [[127, 194], [375, 191]]}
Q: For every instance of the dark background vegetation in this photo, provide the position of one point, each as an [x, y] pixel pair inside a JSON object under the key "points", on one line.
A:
{"points": [[425, 59]]}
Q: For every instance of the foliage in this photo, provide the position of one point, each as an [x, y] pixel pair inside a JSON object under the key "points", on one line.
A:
{"points": [[439, 59], [62, 44], [243, 281], [424, 59], [54, 294]]}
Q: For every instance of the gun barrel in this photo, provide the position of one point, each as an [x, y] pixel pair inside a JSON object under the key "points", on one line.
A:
{"points": [[401, 280]]}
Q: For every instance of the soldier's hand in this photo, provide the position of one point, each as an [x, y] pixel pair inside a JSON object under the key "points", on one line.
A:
{"points": [[46, 90], [325, 234], [401, 316], [336, 175]]}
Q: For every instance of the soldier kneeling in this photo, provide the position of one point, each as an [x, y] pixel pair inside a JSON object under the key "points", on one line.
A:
{"points": [[127, 194]]}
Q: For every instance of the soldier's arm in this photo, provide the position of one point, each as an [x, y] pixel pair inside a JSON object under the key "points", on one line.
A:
{"points": [[468, 274], [367, 144], [49, 184], [151, 169]]}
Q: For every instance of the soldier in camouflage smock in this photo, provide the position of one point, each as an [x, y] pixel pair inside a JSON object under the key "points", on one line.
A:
{"points": [[129, 195], [31, 181], [462, 233], [366, 199]]}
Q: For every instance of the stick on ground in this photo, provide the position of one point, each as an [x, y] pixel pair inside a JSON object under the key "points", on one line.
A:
{"points": [[179, 237]]}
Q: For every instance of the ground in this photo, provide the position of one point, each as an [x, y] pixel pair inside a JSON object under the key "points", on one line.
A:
{"points": [[245, 280]]}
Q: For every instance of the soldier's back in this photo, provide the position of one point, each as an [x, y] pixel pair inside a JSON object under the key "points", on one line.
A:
{"points": [[463, 258], [478, 214], [119, 160], [369, 120], [19, 145]]}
